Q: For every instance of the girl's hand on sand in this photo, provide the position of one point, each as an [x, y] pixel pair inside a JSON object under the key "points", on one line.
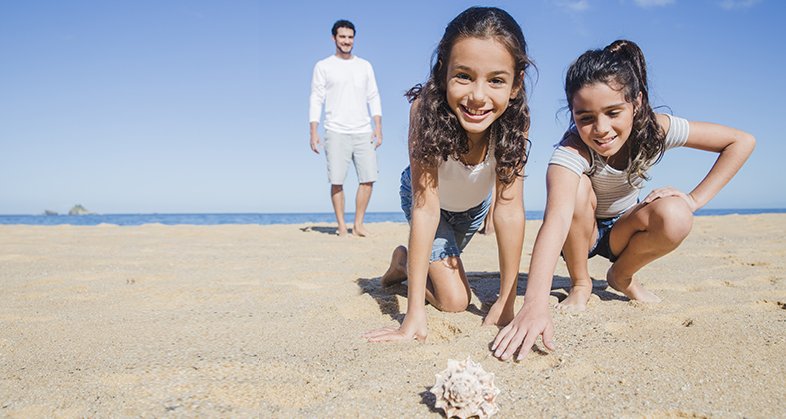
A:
{"points": [[669, 191], [417, 330], [522, 332]]}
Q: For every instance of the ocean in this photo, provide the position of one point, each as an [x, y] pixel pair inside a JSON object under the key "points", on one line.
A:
{"points": [[265, 219]]}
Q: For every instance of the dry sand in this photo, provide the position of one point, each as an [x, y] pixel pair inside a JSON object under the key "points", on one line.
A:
{"points": [[238, 321]]}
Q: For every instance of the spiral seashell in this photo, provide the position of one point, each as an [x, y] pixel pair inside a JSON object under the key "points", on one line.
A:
{"points": [[465, 390]]}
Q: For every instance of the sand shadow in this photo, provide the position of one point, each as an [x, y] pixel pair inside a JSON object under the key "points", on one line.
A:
{"points": [[484, 286], [320, 229], [333, 231], [384, 296], [561, 286]]}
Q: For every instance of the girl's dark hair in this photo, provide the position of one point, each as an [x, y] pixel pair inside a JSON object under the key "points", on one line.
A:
{"points": [[436, 128], [621, 65]]}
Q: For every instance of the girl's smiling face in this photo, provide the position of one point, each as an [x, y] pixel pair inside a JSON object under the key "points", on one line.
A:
{"points": [[603, 118], [480, 83]]}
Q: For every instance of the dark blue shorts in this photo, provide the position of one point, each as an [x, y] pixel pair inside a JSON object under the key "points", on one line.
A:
{"points": [[601, 246], [455, 229]]}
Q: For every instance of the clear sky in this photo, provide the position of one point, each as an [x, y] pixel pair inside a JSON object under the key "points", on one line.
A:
{"points": [[202, 106]]}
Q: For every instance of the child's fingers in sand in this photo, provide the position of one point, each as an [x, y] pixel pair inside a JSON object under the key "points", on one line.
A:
{"points": [[387, 334], [508, 341]]}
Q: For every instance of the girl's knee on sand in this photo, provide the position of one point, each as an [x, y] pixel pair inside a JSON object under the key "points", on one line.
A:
{"points": [[452, 302]]}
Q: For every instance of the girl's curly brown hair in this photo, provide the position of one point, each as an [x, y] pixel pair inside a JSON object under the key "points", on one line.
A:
{"points": [[436, 128]]}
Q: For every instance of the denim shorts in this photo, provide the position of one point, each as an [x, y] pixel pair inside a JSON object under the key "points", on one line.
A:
{"points": [[455, 229], [341, 149], [602, 246]]}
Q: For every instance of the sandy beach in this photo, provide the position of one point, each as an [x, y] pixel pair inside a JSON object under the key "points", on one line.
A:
{"points": [[248, 321]]}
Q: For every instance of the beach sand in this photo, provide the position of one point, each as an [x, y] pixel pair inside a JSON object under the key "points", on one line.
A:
{"points": [[248, 320]]}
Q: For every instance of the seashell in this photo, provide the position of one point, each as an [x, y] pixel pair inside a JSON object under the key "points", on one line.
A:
{"points": [[465, 390]]}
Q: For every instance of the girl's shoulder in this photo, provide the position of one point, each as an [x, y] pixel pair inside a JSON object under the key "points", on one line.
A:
{"points": [[572, 154], [414, 106], [413, 114], [571, 142], [664, 121], [674, 129]]}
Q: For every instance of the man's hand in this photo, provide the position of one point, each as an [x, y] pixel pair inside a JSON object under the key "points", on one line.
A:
{"points": [[378, 136], [315, 143]]}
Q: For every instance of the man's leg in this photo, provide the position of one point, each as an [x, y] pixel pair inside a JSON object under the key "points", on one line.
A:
{"points": [[361, 203], [337, 197], [365, 158], [338, 152]]}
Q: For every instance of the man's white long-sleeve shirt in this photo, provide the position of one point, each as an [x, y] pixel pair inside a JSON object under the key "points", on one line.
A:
{"points": [[348, 90]]}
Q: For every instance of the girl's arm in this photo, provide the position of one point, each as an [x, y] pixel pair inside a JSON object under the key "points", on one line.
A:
{"points": [[425, 219], [734, 148], [534, 318], [509, 221]]}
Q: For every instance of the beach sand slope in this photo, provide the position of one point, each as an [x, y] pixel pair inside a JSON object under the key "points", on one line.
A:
{"points": [[248, 320]]}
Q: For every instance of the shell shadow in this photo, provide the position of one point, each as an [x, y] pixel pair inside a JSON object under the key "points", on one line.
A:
{"points": [[429, 399]]}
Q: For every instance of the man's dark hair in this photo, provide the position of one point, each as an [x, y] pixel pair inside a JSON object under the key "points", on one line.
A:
{"points": [[342, 24]]}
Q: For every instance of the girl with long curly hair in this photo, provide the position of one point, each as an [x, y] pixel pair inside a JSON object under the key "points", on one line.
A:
{"points": [[468, 133], [593, 182]]}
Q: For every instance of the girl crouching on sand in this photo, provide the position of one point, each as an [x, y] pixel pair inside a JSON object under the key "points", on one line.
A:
{"points": [[593, 184], [468, 132]]}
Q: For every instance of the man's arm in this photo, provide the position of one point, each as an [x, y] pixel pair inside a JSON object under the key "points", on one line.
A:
{"points": [[375, 105], [314, 136], [315, 106], [378, 130]]}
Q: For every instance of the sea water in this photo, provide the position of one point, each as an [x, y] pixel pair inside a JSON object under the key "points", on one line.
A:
{"points": [[264, 219]]}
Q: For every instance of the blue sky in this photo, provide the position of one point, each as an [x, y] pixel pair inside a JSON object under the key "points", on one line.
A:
{"points": [[202, 106]]}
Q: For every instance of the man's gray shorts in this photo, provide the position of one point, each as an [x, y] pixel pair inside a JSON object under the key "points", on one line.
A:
{"points": [[341, 149]]}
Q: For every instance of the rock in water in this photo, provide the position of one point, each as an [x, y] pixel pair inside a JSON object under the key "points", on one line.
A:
{"points": [[78, 209]]}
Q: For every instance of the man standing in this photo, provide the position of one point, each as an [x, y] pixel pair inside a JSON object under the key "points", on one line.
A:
{"points": [[345, 84]]}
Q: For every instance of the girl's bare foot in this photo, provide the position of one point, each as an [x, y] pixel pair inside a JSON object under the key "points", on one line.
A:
{"points": [[397, 271], [578, 296], [631, 288], [498, 316], [341, 231]]}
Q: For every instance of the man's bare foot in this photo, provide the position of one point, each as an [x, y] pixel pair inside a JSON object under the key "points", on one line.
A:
{"points": [[360, 231], [498, 316], [397, 271], [631, 288], [577, 298]]}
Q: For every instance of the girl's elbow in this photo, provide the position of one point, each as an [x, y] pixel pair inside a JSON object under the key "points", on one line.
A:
{"points": [[741, 145], [747, 144], [750, 140], [746, 141]]}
